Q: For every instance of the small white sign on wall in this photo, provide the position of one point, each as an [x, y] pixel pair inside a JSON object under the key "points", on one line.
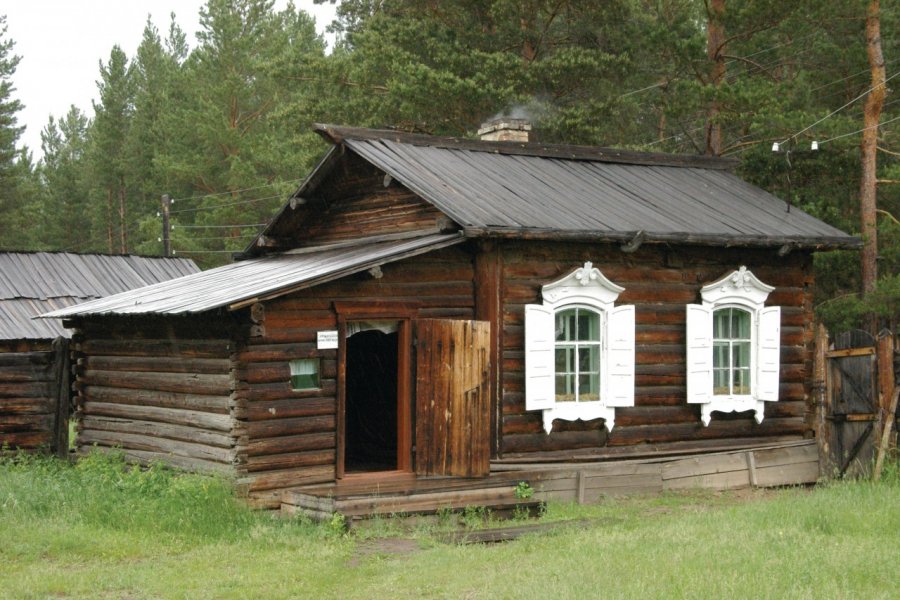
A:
{"points": [[327, 340]]}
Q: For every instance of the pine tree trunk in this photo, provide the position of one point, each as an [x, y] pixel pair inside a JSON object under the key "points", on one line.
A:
{"points": [[868, 149], [123, 231], [715, 50], [109, 221]]}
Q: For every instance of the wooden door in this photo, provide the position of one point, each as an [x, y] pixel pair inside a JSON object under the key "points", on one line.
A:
{"points": [[853, 402], [453, 418]]}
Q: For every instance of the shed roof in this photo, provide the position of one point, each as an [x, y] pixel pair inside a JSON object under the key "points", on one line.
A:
{"points": [[529, 190], [243, 283], [32, 283]]}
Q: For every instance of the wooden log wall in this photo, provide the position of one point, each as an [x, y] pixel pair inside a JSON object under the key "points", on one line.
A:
{"points": [[360, 202], [28, 396], [291, 435], [158, 390], [659, 281]]}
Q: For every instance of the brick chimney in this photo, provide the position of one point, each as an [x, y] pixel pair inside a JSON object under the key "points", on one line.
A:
{"points": [[505, 129]]}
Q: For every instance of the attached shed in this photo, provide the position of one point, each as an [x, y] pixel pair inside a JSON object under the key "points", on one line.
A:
{"points": [[35, 379], [430, 307]]}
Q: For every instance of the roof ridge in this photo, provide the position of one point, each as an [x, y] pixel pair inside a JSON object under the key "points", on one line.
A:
{"points": [[337, 134]]}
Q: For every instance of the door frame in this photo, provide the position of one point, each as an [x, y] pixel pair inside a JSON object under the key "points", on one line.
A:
{"points": [[381, 310]]}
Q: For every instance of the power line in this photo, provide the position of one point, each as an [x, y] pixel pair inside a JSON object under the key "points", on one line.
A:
{"points": [[843, 135], [832, 113], [216, 206], [201, 197], [223, 237], [217, 226], [204, 251]]}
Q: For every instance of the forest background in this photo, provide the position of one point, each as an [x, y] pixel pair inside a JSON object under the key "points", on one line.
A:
{"points": [[225, 127]]}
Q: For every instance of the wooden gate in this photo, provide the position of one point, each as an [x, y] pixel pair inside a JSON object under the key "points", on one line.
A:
{"points": [[852, 396], [453, 420]]}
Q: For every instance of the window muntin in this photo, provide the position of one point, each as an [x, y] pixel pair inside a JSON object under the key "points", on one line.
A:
{"points": [[732, 347], [577, 355]]}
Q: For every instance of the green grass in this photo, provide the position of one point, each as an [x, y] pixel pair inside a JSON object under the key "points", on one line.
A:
{"points": [[100, 530]]}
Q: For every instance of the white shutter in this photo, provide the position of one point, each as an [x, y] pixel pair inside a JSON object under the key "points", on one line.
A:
{"points": [[620, 357], [699, 354], [539, 365], [768, 353]]}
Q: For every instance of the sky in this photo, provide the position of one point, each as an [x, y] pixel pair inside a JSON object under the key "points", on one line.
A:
{"points": [[61, 44]]}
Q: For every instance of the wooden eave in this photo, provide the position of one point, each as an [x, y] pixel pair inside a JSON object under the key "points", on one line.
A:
{"points": [[626, 237]]}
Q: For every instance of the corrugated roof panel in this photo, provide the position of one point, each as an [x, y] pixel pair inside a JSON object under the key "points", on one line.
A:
{"points": [[521, 191], [256, 278], [32, 283]]}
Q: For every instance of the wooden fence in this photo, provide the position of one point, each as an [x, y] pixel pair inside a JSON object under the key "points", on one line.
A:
{"points": [[856, 401]]}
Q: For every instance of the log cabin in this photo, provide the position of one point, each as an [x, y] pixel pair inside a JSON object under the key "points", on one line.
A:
{"points": [[444, 316], [35, 379]]}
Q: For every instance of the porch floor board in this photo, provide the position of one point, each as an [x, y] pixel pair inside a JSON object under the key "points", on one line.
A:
{"points": [[790, 463]]}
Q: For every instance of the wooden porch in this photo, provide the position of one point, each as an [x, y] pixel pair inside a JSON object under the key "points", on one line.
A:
{"points": [[789, 463]]}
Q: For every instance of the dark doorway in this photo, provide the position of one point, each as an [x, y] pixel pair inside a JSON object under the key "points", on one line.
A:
{"points": [[371, 402]]}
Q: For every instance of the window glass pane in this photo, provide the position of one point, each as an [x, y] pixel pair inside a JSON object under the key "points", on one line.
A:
{"points": [[721, 329], [741, 381], [562, 363], [720, 354], [741, 354], [589, 359], [588, 387], [304, 374], [588, 326], [565, 325], [740, 324], [565, 388], [720, 382]]}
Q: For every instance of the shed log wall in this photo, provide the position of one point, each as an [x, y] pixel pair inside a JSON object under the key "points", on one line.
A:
{"points": [[291, 435], [158, 390], [357, 204], [659, 281], [28, 395]]}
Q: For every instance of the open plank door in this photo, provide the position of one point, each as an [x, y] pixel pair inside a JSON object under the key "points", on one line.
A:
{"points": [[453, 419]]}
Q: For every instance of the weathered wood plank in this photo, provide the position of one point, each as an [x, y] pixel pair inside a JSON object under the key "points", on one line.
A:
{"points": [[268, 480], [282, 409], [289, 443], [197, 348], [155, 429], [203, 420], [25, 359], [131, 441], [196, 402], [288, 461], [185, 383], [290, 427], [157, 364], [146, 458]]}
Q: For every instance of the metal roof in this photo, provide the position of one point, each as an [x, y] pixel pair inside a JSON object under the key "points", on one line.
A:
{"points": [[557, 191], [32, 283], [242, 283]]}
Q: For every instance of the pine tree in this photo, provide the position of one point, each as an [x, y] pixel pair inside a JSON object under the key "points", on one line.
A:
{"points": [[10, 172]]}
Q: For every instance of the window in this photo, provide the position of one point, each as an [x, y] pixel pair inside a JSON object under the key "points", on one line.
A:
{"points": [[733, 347], [577, 355], [731, 351], [304, 374], [579, 350]]}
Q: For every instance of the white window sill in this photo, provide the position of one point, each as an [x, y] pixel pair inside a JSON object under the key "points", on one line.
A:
{"points": [[585, 411], [732, 404]]}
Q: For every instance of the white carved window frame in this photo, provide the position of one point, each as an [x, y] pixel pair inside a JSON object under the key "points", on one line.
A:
{"points": [[739, 289], [585, 287]]}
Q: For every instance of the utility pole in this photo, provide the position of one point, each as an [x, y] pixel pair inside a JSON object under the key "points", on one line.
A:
{"points": [[167, 242]]}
